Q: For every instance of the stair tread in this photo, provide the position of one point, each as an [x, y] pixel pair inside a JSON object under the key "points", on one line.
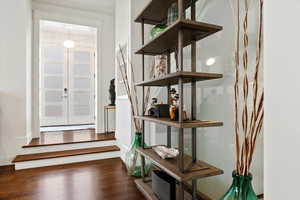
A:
{"points": [[58, 154], [52, 140]]}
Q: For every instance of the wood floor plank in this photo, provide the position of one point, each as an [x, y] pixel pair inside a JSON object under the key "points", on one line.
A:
{"points": [[95, 180], [57, 154]]}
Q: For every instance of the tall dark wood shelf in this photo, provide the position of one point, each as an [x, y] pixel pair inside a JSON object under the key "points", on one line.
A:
{"points": [[198, 170], [156, 11], [185, 124], [172, 78], [183, 32], [167, 40], [146, 189]]}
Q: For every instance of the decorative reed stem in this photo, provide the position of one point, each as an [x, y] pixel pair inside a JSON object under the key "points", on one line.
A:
{"points": [[131, 89], [251, 118]]}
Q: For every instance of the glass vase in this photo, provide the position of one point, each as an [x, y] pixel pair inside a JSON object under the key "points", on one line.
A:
{"points": [[156, 30], [241, 188], [133, 160]]}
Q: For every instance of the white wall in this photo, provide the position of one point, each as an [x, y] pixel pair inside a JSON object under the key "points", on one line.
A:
{"points": [[123, 111], [282, 100], [16, 110], [15, 64], [127, 32], [106, 44]]}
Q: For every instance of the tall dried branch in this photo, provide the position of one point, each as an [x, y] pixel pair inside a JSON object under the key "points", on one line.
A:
{"points": [[130, 89], [251, 118]]}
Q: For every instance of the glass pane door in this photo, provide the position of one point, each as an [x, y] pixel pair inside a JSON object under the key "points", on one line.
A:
{"points": [[53, 75], [67, 68], [81, 82]]}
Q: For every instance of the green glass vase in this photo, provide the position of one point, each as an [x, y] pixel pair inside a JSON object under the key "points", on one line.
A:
{"points": [[156, 30], [241, 188], [133, 160]]}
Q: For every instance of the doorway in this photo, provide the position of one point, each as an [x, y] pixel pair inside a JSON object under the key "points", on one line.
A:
{"points": [[67, 61]]}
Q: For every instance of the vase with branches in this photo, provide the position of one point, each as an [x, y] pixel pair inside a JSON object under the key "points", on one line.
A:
{"points": [[132, 159], [249, 110]]}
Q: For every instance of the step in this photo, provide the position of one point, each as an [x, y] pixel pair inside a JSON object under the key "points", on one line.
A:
{"points": [[64, 157], [64, 147], [69, 138]]}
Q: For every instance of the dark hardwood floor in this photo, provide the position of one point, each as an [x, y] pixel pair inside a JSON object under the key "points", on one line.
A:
{"points": [[69, 137], [95, 180]]}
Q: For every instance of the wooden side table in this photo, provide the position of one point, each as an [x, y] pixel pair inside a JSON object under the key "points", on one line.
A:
{"points": [[106, 109]]}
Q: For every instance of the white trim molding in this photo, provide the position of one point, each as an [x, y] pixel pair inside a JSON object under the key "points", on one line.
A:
{"points": [[44, 11]]}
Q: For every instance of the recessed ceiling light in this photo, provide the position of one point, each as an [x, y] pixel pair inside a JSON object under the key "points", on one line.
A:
{"points": [[210, 61], [69, 44]]}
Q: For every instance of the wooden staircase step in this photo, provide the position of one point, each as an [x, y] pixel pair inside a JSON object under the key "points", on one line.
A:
{"points": [[59, 154], [69, 138]]}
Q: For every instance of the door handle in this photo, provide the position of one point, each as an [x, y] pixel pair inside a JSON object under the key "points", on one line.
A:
{"points": [[65, 95]]}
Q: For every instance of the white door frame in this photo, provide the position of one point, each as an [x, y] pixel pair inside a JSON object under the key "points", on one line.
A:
{"points": [[65, 16]]}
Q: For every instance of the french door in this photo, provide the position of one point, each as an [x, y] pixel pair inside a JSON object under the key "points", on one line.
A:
{"points": [[67, 85]]}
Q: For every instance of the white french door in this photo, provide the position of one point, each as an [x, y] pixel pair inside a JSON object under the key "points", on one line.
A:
{"points": [[67, 86], [81, 90]]}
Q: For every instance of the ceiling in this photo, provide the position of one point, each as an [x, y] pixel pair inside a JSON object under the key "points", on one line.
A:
{"points": [[92, 5]]}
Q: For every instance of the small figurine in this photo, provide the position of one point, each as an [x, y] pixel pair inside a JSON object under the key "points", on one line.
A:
{"points": [[173, 111], [172, 96], [151, 110], [160, 66], [174, 104], [112, 93]]}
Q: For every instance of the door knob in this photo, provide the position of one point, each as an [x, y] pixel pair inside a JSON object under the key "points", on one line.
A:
{"points": [[66, 90]]}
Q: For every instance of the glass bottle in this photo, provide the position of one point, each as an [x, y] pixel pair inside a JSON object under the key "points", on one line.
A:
{"points": [[157, 29], [241, 188], [172, 14], [133, 160]]}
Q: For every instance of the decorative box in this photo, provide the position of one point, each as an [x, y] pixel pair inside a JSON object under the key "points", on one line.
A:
{"points": [[163, 185], [160, 111]]}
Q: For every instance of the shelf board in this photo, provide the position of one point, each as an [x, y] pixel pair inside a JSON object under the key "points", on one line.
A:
{"points": [[198, 170], [146, 190], [185, 124], [156, 11], [167, 40], [172, 78]]}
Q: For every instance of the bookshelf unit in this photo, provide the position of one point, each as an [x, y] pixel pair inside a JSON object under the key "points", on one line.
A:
{"points": [[184, 32]]}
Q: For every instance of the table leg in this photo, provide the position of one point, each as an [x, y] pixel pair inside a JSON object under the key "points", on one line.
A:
{"points": [[107, 122], [104, 117]]}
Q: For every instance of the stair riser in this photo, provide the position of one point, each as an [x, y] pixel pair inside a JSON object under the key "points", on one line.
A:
{"points": [[66, 160], [44, 149]]}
